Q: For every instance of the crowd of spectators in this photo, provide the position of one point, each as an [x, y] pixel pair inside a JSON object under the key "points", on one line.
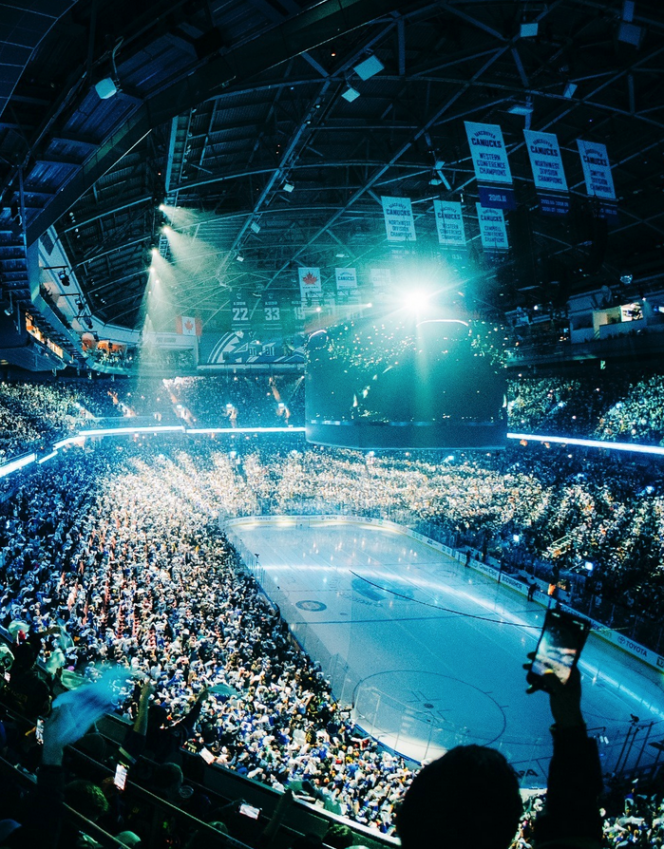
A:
{"points": [[616, 405], [119, 546]]}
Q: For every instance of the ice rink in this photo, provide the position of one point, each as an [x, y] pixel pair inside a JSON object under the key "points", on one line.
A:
{"points": [[430, 653]]}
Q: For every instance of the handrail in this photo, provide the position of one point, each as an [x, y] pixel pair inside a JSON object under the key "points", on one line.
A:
{"points": [[107, 840]]}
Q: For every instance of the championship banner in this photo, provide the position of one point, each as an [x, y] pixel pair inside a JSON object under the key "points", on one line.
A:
{"points": [[310, 282], [545, 160], [381, 278], [449, 223], [596, 170], [493, 232], [488, 151], [399, 223], [346, 279]]}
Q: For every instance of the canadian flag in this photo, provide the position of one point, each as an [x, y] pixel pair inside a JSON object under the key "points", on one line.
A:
{"points": [[188, 326]]}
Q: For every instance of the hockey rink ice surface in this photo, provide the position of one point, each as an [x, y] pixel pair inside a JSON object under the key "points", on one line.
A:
{"points": [[430, 652]]}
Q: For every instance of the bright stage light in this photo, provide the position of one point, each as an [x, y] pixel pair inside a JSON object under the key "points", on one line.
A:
{"points": [[417, 300]]}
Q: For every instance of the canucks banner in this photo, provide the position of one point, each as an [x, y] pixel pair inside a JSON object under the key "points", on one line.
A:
{"points": [[487, 149], [240, 317], [493, 232], [271, 314], [596, 169], [449, 223], [310, 282], [381, 278], [399, 223], [546, 162], [346, 279]]}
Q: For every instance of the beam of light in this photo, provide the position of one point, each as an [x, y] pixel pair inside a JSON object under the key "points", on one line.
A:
{"points": [[181, 216], [112, 431], [192, 257], [244, 429], [589, 443], [17, 464]]}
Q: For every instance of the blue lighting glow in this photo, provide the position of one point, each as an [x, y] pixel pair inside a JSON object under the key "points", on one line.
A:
{"points": [[589, 443], [15, 465]]}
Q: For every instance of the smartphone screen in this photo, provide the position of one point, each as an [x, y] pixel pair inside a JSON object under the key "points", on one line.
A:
{"points": [[120, 779], [559, 647], [39, 731], [207, 755], [249, 811]]}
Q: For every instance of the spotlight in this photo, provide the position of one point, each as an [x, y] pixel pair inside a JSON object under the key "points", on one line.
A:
{"points": [[529, 30], [88, 322], [162, 207], [255, 227], [630, 34], [569, 90], [239, 258], [64, 278], [106, 88], [626, 279], [521, 108], [416, 301], [288, 187], [369, 68], [350, 94]]}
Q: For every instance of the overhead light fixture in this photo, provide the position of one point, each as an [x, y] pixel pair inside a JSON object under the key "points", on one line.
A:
{"points": [[529, 29], [569, 90], [239, 258], [435, 181], [288, 187], [106, 88], [521, 108], [369, 68], [630, 34], [350, 94], [88, 322], [628, 10], [64, 278], [255, 227]]}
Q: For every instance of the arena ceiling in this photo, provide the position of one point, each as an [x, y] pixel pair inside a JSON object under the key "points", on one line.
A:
{"points": [[221, 103]]}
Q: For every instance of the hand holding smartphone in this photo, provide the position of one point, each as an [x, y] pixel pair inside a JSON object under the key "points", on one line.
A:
{"points": [[559, 647], [250, 811], [120, 778]]}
